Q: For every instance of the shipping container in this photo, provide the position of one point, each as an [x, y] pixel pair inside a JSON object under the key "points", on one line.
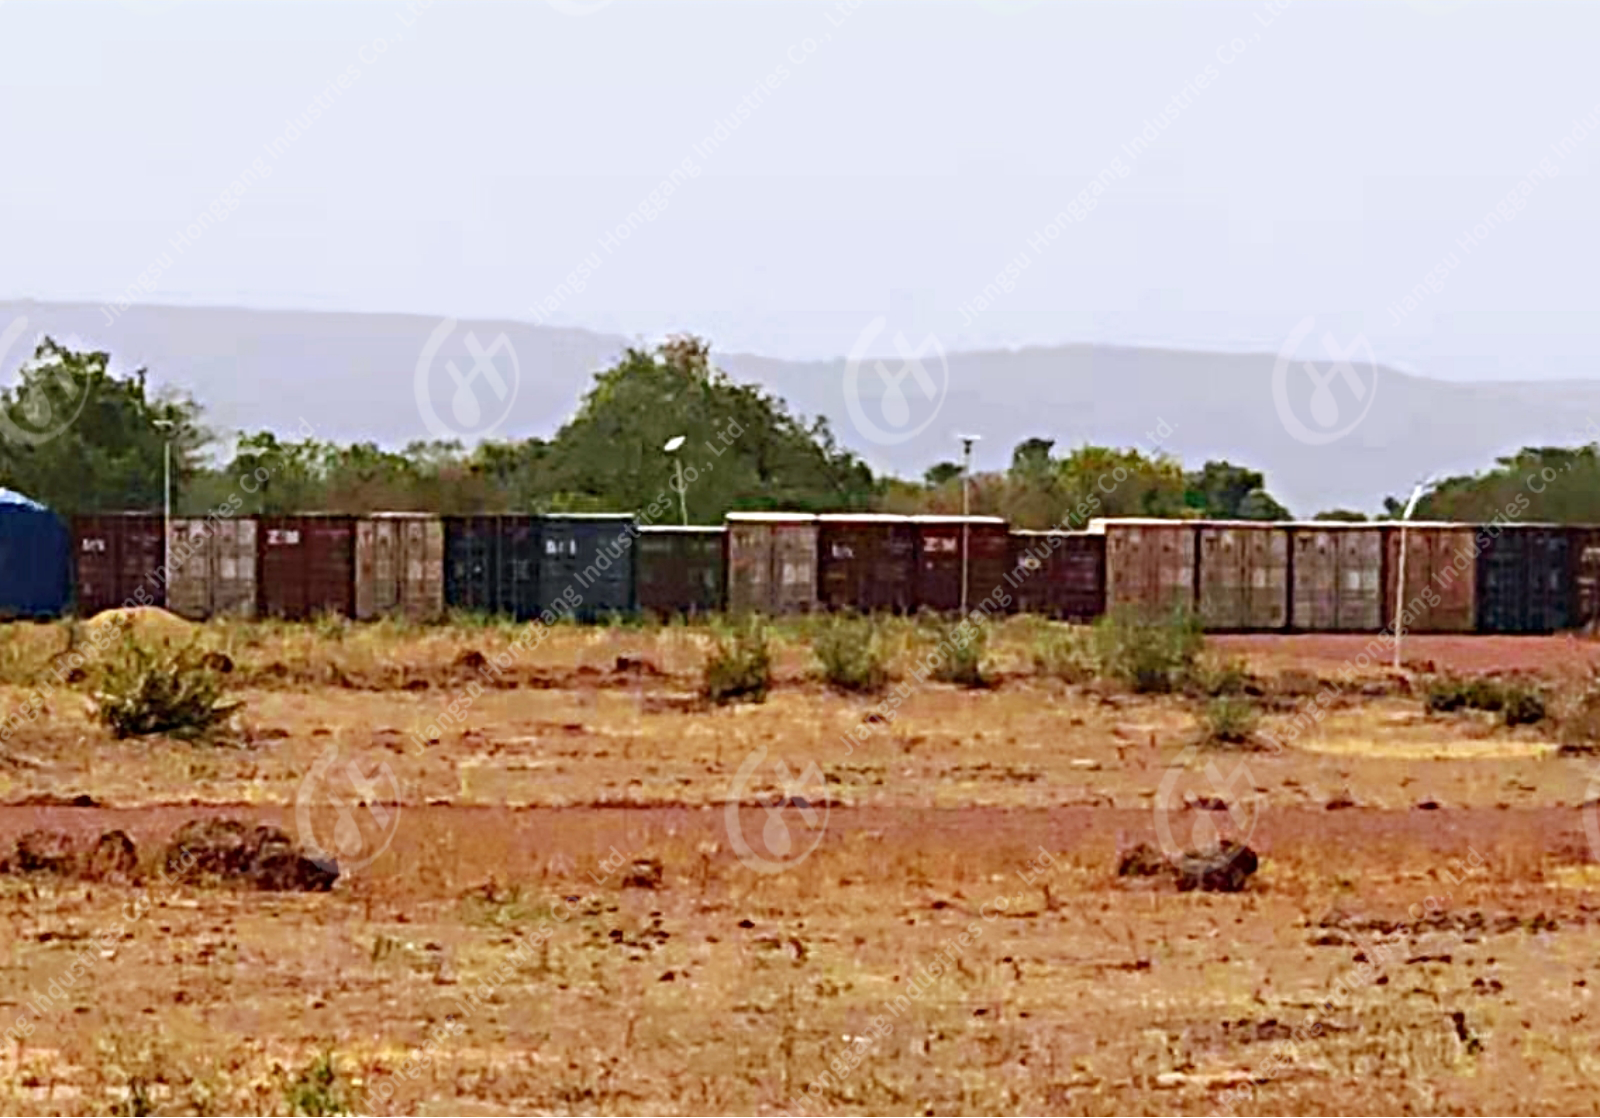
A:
{"points": [[1337, 574], [400, 566], [679, 569], [1244, 575], [35, 559], [939, 563], [306, 565], [1150, 564], [866, 562], [1440, 578], [1583, 576], [213, 568], [492, 564], [1059, 574], [771, 562], [1523, 579], [118, 560], [586, 565]]}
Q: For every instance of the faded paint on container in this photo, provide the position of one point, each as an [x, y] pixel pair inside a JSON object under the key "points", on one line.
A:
{"points": [[1360, 584], [586, 564], [1440, 579], [939, 563], [1583, 559], [118, 560], [1059, 574], [1523, 573], [1150, 564], [1244, 576], [492, 564], [771, 562], [213, 568], [400, 566], [1336, 577], [306, 565], [866, 562], [680, 569]]}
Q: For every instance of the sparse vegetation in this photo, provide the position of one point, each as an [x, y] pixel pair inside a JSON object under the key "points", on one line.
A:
{"points": [[1065, 652], [851, 655], [1231, 720], [318, 1090], [1151, 653], [962, 653], [738, 667], [143, 688], [1519, 703]]}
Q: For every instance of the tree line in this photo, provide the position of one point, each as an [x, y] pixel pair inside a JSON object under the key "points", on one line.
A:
{"points": [[610, 457]]}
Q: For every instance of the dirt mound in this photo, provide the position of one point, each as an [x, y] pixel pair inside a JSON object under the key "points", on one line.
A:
{"points": [[148, 623], [265, 858], [1226, 868], [114, 858]]}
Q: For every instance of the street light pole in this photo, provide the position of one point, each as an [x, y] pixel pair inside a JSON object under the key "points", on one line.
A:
{"points": [[966, 510], [674, 444], [1400, 575], [166, 425]]}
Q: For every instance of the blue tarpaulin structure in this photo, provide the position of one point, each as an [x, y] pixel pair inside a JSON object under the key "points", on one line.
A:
{"points": [[34, 559]]}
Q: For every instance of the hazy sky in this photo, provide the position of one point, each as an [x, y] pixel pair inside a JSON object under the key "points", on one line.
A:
{"points": [[889, 158]]}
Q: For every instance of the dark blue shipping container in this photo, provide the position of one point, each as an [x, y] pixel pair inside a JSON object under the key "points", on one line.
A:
{"points": [[35, 559], [492, 564], [586, 567]]}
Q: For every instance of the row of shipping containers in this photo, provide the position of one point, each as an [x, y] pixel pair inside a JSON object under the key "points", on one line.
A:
{"points": [[1236, 576]]}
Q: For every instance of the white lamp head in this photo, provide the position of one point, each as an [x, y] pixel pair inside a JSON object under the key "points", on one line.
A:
{"points": [[674, 443]]}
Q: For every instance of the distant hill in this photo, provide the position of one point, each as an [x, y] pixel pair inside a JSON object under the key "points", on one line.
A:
{"points": [[355, 376]]}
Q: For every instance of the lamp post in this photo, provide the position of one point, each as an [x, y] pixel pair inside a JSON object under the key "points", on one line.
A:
{"points": [[1400, 575], [169, 426], [966, 509], [674, 444]]}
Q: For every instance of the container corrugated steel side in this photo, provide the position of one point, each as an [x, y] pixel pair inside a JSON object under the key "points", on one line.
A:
{"points": [[118, 559], [1244, 576], [771, 562], [1059, 574], [306, 565], [1583, 575], [866, 562], [35, 560], [400, 566], [1440, 580], [1336, 577], [1150, 564], [492, 564], [586, 566], [939, 562], [1523, 572], [213, 568], [679, 569]]}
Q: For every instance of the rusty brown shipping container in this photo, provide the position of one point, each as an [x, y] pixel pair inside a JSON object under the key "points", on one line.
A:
{"points": [[1337, 573], [1244, 576], [1440, 594], [399, 566], [213, 568], [772, 562], [306, 565], [118, 560], [1059, 574], [866, 562], [1583, 559], [1150, 563], [938, 564]]}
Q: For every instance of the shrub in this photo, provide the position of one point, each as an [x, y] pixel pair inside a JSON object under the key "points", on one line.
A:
{"points": [[1227, 676], [960, 658], [1518, 703], [1230, 720], [1578, 722], [1153, 653], [318, 1090], [739, 665], [851, 654], [142, 689], [1065, 652]]}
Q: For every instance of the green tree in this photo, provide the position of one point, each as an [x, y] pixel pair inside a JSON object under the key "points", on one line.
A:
{"points": [[1348, 516], [1220, 490], [107, 434]]}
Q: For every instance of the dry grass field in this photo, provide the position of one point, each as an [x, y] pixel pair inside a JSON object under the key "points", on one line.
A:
{"points": [[580, 889]]}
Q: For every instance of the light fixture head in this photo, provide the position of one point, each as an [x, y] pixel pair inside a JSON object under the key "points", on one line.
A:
{"points": [[674, 443]]}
